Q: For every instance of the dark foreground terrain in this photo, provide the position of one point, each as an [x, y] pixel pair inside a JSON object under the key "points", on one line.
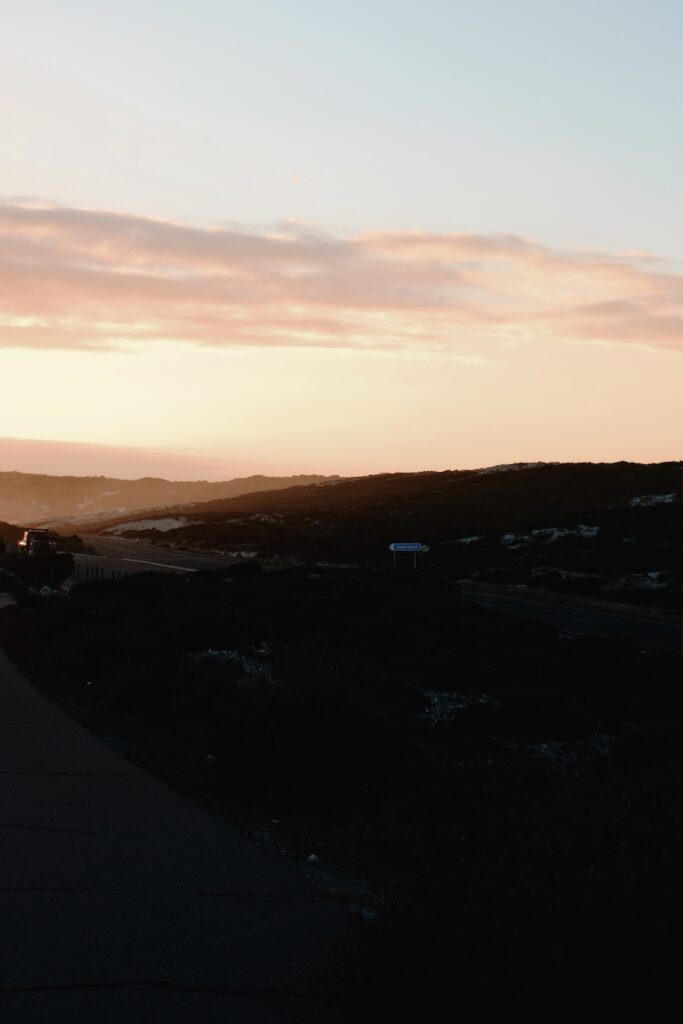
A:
{"points": [[514, 797]]}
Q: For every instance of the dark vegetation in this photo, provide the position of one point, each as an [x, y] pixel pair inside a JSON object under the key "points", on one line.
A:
{"points": [[589, 539], [19, 573], [9, 533], [515, 798]]}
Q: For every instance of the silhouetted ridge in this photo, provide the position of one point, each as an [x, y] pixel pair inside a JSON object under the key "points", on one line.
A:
{"points": [[51, 500]]}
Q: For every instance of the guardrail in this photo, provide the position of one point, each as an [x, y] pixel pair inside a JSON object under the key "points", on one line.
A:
{"points": [[84, 572], [101, 567]]}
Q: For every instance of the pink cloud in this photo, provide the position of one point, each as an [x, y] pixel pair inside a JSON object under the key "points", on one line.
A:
{"points": [[72, 278]]}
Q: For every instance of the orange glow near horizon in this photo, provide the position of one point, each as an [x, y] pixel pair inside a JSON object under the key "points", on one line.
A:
{"points": [[154, 348]]}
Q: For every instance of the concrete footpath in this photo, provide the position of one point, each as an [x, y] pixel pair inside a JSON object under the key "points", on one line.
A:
{"points": [[121, 901]]}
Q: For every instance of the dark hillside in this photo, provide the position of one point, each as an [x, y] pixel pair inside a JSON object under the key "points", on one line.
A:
{"points": [[440, 505], [9, 532], [604, 525]]}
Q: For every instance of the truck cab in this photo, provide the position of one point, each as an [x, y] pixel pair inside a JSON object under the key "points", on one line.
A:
{"points": [[37, 542]]}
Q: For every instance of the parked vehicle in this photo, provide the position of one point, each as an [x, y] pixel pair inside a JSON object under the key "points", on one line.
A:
{"points": [[37, 542]]}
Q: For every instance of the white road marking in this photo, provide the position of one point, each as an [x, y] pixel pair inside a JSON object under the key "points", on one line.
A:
{"points": [[162, 565]]}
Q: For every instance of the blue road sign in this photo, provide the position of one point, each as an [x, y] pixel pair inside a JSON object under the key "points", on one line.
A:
{"points": [[405, 547]]}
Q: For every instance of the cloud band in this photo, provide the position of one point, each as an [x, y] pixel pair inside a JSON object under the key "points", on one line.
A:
{"points": [[89, 279]]}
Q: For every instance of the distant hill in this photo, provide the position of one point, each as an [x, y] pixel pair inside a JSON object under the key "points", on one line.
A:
{"points": [[37, 499], [613, 530], [355, 519]]}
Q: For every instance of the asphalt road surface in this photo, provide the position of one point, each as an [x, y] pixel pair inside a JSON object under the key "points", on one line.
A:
{"points": [[574, 621], [144, 555], [121, 901]]}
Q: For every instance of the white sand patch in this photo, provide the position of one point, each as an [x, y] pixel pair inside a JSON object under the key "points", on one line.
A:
{"points": [[549, 534], [163, 525], [512, 467], [98, 497], [652, 499]]}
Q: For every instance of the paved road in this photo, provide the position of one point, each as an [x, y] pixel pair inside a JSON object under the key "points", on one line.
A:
{"points": [[121, 901], [587, 622], [142, 555]]}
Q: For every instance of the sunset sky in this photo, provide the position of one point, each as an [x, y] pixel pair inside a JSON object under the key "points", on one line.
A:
{"points": [[242, 236]]}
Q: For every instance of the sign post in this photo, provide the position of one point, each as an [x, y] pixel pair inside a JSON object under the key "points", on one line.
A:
{"points": [[409, 547]]}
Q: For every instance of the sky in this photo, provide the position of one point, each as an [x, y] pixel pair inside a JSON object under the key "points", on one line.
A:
{"points": [[339, 237]]}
